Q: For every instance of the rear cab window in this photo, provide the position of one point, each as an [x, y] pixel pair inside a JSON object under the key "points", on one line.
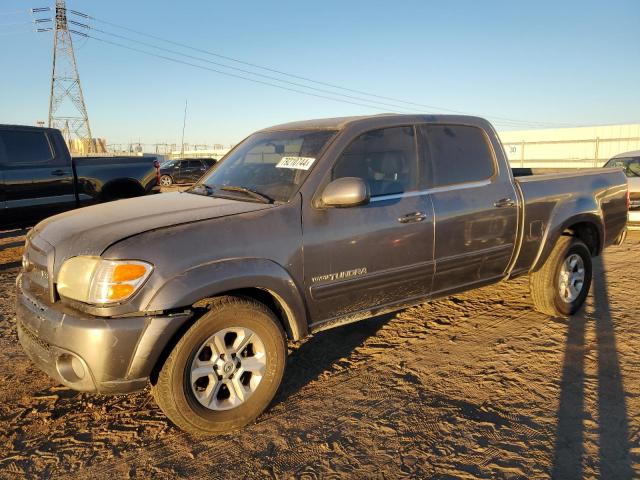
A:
{"points": [[24, 148], [454, 154]]}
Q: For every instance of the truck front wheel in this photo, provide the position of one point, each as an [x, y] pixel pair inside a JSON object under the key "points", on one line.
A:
{"points": [[225, 370], [561, 286]]}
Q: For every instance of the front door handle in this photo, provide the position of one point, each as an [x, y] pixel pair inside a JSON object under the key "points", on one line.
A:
{"points": [[504, 202], [58, 173], [412, 217]]}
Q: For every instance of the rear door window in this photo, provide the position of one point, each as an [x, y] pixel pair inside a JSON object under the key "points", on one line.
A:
{"points": [[386, 159], [454, 154], [22, 148]]}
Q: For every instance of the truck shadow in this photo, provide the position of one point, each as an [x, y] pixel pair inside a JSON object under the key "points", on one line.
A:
{"points": [[613, 422], [324, 350]]}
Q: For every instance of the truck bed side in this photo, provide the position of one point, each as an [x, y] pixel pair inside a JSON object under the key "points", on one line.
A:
{"points": [[589, 203], [103, 178]]}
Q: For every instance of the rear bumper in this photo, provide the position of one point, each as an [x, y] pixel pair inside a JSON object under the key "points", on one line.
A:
{"points": [[92, 354]]}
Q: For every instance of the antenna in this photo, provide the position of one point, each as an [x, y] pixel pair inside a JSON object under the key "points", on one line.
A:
{"points": [[184, 124], [67, 110]]}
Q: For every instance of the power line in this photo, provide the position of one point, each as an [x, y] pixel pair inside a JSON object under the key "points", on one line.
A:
{"points": [[369, 103], [514, 122], [202, 67], [351, 97], [174, 52]]}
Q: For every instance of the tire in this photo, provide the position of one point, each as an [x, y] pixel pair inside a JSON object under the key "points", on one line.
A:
{"points": [[187, 390], [545, 284], [166, 181]]}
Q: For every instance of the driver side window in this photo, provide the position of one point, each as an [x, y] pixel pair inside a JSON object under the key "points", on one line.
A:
{"points": [[386, 159]]}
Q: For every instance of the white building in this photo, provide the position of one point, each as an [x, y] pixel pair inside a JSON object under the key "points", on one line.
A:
{"points": [[581, 147]]}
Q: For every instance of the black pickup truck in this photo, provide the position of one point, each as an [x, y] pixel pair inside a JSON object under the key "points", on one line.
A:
{"points": [[38, 177]]}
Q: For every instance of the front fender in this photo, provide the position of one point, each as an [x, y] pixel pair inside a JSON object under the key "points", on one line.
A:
{"points": [[222, 276], [566, 214]]}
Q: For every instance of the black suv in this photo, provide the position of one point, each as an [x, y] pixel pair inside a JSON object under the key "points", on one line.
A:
{"points": [[184, 170]]}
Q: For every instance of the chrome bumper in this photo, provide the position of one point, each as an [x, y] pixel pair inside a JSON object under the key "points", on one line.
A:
{"points": [[92, 354]]}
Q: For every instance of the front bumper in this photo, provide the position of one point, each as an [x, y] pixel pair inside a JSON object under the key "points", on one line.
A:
{"points": [[92, 354]]}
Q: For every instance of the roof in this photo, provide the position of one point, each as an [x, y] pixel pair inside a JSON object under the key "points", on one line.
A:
{"points": [[339, 123], [634, 153], [23, 127]]}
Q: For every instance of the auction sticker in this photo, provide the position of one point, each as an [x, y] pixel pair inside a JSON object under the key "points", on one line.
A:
{"points": [[298, 163]]}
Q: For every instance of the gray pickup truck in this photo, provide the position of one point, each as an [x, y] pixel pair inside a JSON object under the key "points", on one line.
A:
{"points": [[301, 227]]}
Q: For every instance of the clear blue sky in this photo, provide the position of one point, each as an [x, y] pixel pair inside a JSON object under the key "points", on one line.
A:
{"points": [[574, 62]]}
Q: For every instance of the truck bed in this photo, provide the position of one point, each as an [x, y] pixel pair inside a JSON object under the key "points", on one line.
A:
{"points": [[549, 198]]}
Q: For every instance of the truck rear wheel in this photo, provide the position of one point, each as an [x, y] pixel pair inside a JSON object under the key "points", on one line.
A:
{"points": [[225, 370], [561, 286]]}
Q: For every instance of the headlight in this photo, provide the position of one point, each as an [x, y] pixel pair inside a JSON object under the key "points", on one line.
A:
{"points": [[98, 281]]}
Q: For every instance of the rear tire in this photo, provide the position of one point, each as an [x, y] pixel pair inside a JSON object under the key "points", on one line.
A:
{"points": [[204, 391], [561, 286]]}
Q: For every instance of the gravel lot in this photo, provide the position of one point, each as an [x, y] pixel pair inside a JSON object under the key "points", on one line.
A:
{"points": [[474, 386]]}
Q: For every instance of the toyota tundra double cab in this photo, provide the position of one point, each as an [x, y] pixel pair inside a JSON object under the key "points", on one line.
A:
{"points": [[301, 227]]}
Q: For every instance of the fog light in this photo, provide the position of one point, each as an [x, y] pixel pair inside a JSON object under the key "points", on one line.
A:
{"points": [[70, 367]]}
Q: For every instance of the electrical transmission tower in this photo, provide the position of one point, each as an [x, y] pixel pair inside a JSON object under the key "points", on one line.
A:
{"points": [[67, 110]]}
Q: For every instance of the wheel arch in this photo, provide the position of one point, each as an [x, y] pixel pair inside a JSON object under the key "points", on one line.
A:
{"points": [[260, 279], [586, 226], [122, 188]]}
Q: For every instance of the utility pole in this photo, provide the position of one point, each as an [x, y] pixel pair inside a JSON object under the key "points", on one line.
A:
{"points": [[184, 124], [67, 110]]}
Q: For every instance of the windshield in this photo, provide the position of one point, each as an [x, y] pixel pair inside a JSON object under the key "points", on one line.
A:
{"points": [[168, 164], [270, 164], [630, 165]]}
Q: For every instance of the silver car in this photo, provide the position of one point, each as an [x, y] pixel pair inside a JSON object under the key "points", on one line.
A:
{"points": [[630, 163]]}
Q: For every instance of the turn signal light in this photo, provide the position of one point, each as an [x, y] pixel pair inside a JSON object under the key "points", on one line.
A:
{"points": [[128, 272], [120, 291]]}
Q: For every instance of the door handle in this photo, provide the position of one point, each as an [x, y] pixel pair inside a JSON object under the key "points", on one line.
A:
{"points": [[504, 202], [412, 217], [58, 173]]}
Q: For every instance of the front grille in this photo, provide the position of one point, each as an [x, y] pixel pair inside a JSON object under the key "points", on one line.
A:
{"points": [[33, 337], [34, 265]]}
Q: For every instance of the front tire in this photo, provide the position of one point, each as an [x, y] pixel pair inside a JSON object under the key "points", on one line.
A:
{"points": [[225, 370], [561, 286]]}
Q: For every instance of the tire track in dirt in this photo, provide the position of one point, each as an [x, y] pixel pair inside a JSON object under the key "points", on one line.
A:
{"points": [[437, 389]]}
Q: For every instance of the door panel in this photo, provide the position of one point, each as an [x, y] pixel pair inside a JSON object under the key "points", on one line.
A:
{"points": [[474, 205], [373, 255], [474, 239], [37, 182], [361, 257]]}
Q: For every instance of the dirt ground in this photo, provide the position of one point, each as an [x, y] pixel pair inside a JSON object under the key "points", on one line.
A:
{"points": [[474, 386]]}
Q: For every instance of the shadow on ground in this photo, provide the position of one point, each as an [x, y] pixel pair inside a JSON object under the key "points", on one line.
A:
{"points": [[613, 431]]}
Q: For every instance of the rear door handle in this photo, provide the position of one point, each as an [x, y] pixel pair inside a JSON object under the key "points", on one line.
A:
{"points": [[412, 217], [504, 202], [58, 173]]}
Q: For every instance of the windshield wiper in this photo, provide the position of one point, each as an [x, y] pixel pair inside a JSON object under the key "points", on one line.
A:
{"points": [[261, 197], [207, 188]]}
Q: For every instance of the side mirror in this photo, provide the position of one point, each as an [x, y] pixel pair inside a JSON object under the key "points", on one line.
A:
{"points": [[346, 192]]}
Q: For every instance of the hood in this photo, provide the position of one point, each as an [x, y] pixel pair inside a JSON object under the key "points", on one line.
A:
{"points": [[90, 230]]}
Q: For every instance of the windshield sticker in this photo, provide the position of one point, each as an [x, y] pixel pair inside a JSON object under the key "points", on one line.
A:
{"points": [[298, 163]]}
